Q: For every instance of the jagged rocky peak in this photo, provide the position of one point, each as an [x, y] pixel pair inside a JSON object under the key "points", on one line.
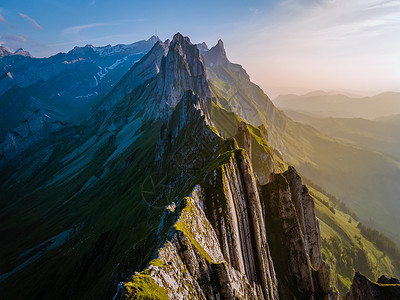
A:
{"points": [[6, 52], [202, 47], [182, 69], [153, 39], [363, 288], [190, 52], [216, 55], [22, 52]]}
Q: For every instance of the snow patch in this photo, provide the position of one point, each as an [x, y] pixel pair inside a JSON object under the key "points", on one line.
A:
{"points": [[87, 96], [117, 62], [104, 71]]}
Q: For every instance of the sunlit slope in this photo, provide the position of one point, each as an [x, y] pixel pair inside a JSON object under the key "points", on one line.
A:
{"points": [[346, 249], [382, 135], [337, 105], [365, 180]]}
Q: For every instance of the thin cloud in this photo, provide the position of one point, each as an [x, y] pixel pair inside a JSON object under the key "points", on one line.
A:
{"points": [[2, 19], [32, 21], [12, 41], [7, 38], [318, 44], [93, 2], [77, 29], [255, 11]]}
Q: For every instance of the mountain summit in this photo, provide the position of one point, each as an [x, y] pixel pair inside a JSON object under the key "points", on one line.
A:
{"points": [[216, 55]]}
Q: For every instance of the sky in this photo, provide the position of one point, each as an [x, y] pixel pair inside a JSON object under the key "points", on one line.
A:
{"points": [[286, 46]]}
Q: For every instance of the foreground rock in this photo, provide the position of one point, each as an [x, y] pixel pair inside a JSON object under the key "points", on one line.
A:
{"points": [[363, 288]]}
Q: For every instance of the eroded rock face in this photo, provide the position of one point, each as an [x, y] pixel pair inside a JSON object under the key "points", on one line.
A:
{"points": [[236, 214], [363, 288], [294, 239], [221, 247], [305, 211], [182, 69], [216, 56], [192, 266], [146, 68]]}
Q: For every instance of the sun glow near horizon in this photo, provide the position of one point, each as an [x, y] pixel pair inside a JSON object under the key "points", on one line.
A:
{"points": [[285, 45]]}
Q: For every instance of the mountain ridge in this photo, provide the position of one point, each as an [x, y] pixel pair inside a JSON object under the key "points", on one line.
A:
{"points": [[162, 192]]}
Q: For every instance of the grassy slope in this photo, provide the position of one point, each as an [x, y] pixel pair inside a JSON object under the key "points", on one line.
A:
{"points": [[345, 249], [381, 136], [99, 215], [363, 179], [338, 105]]}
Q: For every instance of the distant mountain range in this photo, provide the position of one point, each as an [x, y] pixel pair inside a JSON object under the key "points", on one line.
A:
{"points": [[68, 80], [6, 52], [381, 135], [332, 104]]}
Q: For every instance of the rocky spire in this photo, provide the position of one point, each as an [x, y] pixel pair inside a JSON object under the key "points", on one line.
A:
{"points": [[22, 52], [182, 69], [217, 55]]}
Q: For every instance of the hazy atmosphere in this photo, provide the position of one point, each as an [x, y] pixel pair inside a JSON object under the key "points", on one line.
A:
{"points": [[286, 46]]}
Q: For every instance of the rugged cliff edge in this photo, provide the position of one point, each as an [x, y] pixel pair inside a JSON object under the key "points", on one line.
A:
{"points": [[363, 288], [223, 231]]}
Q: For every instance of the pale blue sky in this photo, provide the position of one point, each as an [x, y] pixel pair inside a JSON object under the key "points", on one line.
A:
{"points": [[285, 45]]}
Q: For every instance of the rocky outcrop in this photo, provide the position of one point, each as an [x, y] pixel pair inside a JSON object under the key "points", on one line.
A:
{"points": [[293, 236], [176, 67], [243, 138], [216, 56], [363, 288], [183, 69], [235, 238], [191, 265], [305, 212], [254, 142], [233, 207]]}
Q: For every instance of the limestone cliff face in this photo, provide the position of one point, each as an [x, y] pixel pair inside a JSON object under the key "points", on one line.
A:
{"points": [[192, 266], [231, 237], [363, 288], [293, 235], [155, 85], [233, 207], [183, 68], [305, 212]]}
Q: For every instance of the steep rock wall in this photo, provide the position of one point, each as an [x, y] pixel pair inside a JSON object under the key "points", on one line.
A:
{"points": [[293, 235], [363, 288]]}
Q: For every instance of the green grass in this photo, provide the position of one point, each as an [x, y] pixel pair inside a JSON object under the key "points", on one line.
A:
{"points": [[363, 179], [143, 287], [345, 249]]}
